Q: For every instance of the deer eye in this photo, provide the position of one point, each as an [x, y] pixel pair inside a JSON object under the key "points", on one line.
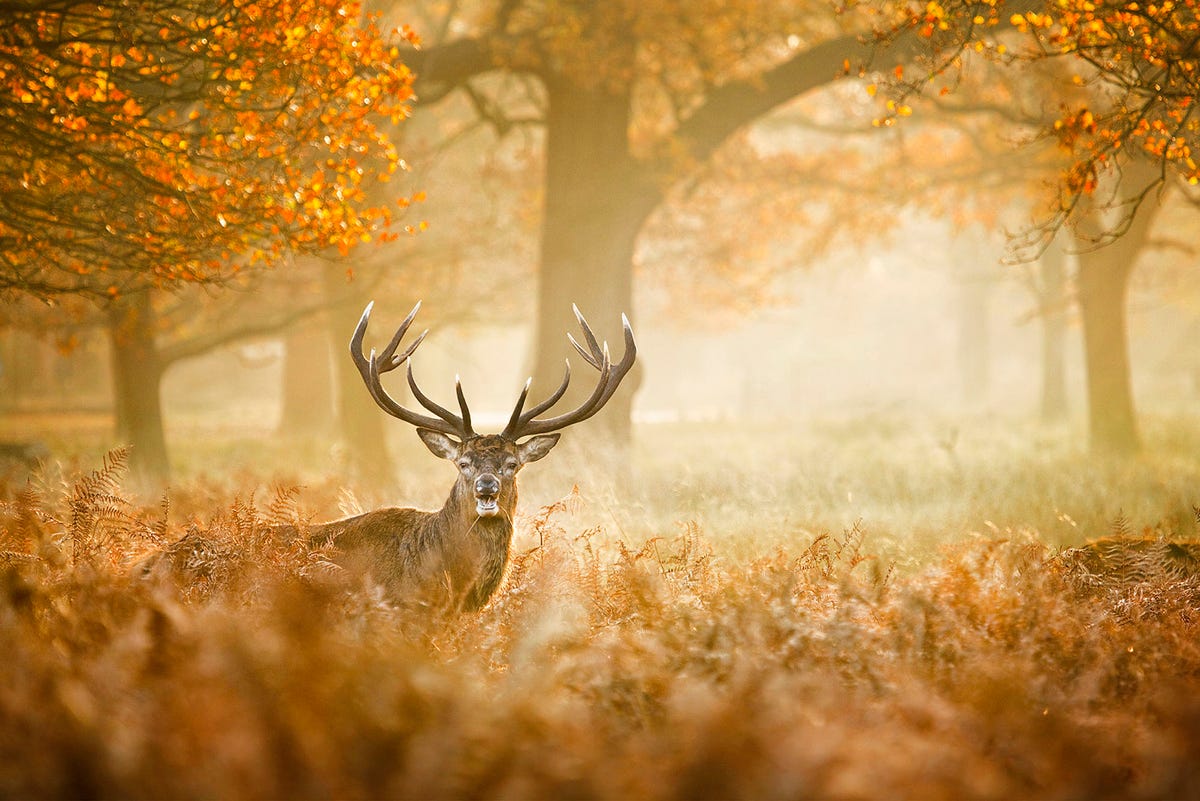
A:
{"points": [[510, 467], [464, 465]]}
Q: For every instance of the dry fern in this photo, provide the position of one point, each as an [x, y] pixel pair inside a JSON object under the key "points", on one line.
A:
{"points": [[659, 669]]}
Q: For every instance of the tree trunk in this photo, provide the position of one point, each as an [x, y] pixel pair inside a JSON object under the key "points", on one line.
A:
{"points": [[596, 204], [137, 382], [1052, 300], [974, 335], [12, 385], [307, 391], [359, 420], [1103, 285], [1103, 282]]}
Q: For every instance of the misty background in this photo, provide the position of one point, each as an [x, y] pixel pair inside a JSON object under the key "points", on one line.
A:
{"points": [[788, 253]]}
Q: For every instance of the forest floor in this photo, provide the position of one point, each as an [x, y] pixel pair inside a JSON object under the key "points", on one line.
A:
{"points": [[843, 609]]}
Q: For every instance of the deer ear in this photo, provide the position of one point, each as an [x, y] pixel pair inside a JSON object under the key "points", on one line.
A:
{"points": [[537, 447], [439, 444]]}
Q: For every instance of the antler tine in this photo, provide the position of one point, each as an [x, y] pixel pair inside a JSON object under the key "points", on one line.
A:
{"points": [[592, 357], [390, 361], [396, 361], [356, 339], [516, 412], [389, 405], [370, 368], [580, 413], [554, 396], [462, 404], [626, 359], [610, 379], [518, 419], [461, 428]]}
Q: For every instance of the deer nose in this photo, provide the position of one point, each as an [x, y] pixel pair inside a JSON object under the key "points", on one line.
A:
{"points": [[487, 484]]}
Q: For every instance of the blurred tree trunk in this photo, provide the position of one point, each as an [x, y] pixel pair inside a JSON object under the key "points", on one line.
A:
{"points": [[975, 339], [12, 370], [360, 422], [1103, 282], [974, 334], [975, 262], [1103, 288], [1052, 302], [137, 383], [597, 200], [307, 392]]}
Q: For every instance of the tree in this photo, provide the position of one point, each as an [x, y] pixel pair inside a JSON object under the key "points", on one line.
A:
{"points": [[636, 96], [1141, 64], [1131, 133], [1103, 286], [1136, 64], [306, 396], [1137, 133], [160, 144], [165, 143]]}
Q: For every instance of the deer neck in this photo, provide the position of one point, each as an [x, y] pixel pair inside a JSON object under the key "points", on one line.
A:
{"points": [[483, 543]]}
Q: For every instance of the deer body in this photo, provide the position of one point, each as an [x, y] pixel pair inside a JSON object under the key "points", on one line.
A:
{"points": [[455, 558], [437, 558]]}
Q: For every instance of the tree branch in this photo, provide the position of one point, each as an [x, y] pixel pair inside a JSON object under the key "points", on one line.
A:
{"points": [[193, 346], [203, 343], [443, 68], [736, 104]]}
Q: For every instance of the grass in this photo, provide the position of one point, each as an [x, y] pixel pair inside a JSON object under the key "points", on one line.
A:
{"points": [[836, 610]]}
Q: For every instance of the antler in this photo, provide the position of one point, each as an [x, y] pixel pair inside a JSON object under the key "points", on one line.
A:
{"points": [[524, 424], [371, 367]]}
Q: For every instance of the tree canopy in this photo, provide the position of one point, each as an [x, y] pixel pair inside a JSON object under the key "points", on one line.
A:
{"points": [[1134, 71], [167, 141]]}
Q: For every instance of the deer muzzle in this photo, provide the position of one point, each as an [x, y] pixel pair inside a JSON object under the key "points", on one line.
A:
{"points": [[487, 495]]}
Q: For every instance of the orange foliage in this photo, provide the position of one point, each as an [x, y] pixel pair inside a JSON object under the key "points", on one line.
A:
{"points": [[185, 141], [1141, 61], [1135, 61]]}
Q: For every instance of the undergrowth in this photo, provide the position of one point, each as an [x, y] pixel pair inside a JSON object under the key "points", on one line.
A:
{"points": [[658, 669]]}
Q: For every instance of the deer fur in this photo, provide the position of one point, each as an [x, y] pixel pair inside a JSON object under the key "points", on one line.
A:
{"points": [[453, 558]]}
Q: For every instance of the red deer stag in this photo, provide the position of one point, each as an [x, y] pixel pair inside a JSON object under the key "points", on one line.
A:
{"points": [[455, 557]]}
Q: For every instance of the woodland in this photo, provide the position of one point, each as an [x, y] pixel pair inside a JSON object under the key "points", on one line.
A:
{"points": [[900, 498]]}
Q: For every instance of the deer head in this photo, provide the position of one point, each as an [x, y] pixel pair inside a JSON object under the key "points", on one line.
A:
{"points": [[488, 463]]}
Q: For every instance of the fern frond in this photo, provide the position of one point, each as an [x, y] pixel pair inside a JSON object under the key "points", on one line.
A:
{"points": [[25, 532], [18, 558], [159, 529], [284, 506], [100, 518]]}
